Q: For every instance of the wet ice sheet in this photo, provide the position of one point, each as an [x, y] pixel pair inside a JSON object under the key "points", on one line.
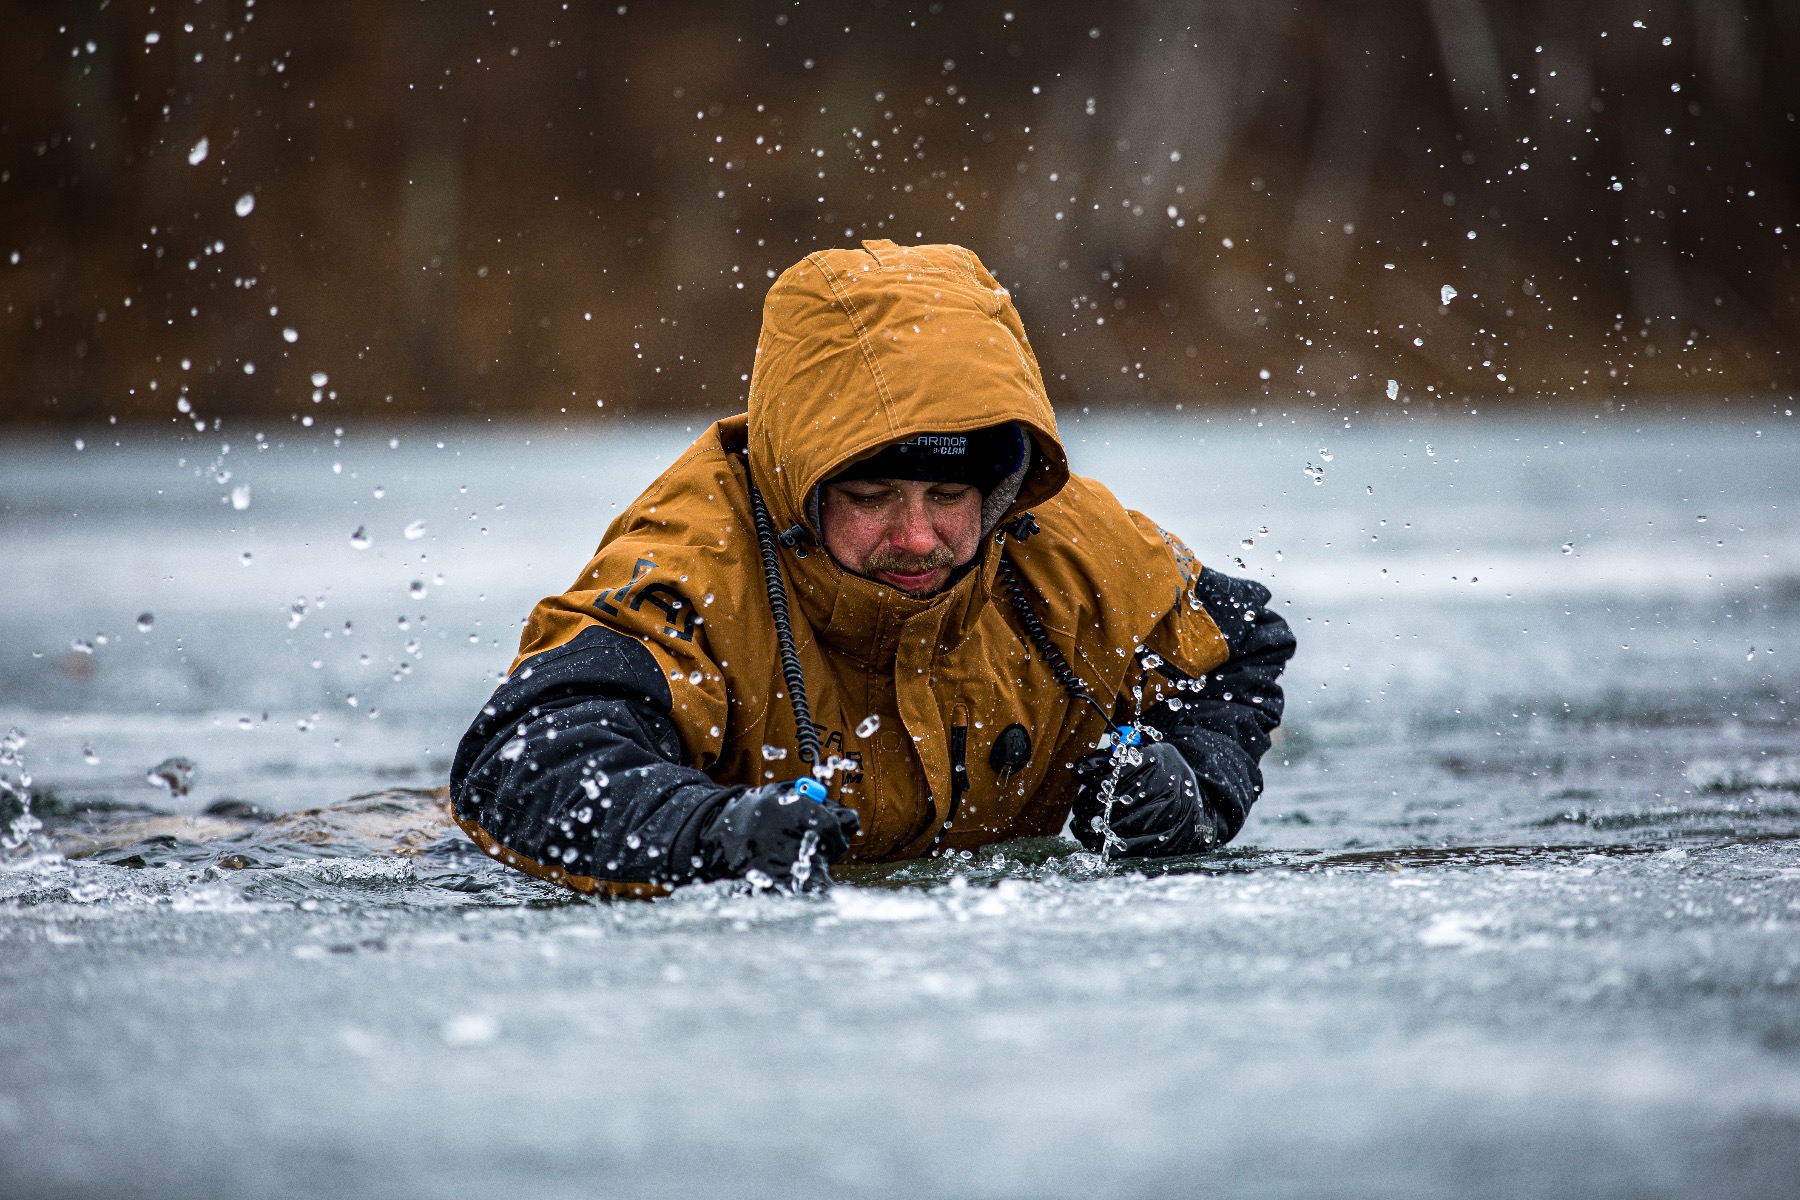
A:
{"points": [[1587, 1026], [1518, 914]]}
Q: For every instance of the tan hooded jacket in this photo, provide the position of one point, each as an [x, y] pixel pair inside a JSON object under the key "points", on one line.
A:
{"points": [[859, 349]]}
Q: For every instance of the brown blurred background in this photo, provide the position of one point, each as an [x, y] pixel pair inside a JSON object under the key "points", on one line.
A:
{"points": [[453, 208]]}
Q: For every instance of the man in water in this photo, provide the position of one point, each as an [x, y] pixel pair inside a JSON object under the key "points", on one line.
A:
{"points": [[874, 617]]}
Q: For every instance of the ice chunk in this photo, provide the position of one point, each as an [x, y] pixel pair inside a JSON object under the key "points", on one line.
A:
{"points": [[172, 774]]}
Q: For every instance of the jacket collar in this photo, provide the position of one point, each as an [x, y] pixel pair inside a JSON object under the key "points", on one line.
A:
{"points": [[864, 620]]}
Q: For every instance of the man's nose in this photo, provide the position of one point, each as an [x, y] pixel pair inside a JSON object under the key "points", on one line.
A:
{"points": [[913, 532]]}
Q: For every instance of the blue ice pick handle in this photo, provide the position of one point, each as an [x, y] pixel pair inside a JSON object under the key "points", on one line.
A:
{"points": [[810, 789], [1122, 737]]}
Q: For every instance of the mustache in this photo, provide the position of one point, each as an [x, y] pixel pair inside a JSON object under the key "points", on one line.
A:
{"points": [[900, 563]]}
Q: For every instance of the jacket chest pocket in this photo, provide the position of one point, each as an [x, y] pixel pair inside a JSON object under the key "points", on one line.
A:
{"points": [[895, 801]]}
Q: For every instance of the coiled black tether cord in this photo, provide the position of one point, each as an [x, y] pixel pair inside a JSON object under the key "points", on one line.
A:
{"points": [[1040, 638], [807, 736]]}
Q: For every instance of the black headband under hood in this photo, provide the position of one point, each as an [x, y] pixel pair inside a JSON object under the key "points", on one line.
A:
{"points": [[984, 458]]}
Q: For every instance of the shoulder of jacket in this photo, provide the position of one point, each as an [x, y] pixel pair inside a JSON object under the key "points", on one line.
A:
{"points": [[1086, 526]]}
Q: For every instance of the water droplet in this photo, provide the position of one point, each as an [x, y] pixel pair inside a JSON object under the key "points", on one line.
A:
{"points": [[774, 753], [91, 759], [1568, 547], [197, 155], [1324, 454], [1316, 474], [869, 725], [696, 678], [1247, 544], [1701, 519], [1446, 294], [296, 613], [245, 722], [1393, 389], [1429, 451], [240, 497], [81, 646], [633, 840], [414, 531], [360, 539], [513, 749], [290, 335], [416, 589], [320, 379], [244, 559], [246, 204], [146, 622]]}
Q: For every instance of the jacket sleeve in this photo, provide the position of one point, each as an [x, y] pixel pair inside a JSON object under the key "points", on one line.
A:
{"points": [[1221, 721], [573, 772]]}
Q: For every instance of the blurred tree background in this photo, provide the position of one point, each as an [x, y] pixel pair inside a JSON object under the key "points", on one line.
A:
{"points": [[399, 208]]}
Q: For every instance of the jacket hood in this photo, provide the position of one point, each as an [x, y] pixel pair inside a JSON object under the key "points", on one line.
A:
{"points": [[863, 348]]}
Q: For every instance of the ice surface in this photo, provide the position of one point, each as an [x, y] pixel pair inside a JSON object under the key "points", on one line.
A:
{"points": [[1519, 914]]}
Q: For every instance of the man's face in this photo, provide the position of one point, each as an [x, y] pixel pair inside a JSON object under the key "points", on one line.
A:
{"points": [[902, 532]]}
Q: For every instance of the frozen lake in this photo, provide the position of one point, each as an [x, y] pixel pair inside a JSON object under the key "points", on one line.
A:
{"points": [[1518, 915]]}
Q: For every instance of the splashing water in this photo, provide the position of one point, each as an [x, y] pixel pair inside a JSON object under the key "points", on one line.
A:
{"points": [[869, 725], [19, 844], [803, 865]]}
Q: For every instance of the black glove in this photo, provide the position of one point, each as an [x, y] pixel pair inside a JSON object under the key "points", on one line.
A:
{"points": [[762, 831], [1158, 810]]}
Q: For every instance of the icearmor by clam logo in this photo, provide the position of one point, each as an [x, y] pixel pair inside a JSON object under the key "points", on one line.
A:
{"points": [[943, 443]]}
